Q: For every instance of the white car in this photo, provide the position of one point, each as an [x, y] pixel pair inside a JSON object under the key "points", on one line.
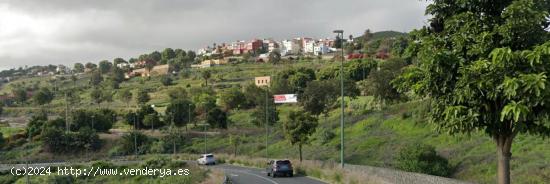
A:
{"points": [[206, 159]]}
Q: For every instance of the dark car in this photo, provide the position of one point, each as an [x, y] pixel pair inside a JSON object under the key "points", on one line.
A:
{"points": [[279, 168]]}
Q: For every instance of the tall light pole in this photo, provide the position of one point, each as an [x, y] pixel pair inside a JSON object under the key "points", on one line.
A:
{"points": [[340, 34], [266, 122], [153, 122]]}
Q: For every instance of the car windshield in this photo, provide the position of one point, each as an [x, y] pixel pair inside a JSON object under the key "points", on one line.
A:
{"points": [[283, 162], [210, 156]]}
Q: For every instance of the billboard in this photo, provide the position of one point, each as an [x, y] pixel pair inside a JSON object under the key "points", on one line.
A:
{"points": [[286, 98]]}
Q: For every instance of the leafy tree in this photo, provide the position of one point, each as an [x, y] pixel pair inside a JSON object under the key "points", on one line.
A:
{"points": [[259, 113], [96, 95], [379, 84], [142, 96], [155, 56], [298, 127], [105, 66], [253, 95], [217, 118], [117, 61], [2, 141], [37, 121], [168, 54], [421, 158], [43, 96], [128, 145], [125, 96], [292, 80], [117, 74], [78, 67], [319, 96], [485, 73], [90, 66], [100, 120], [275, 57], [139, 116], [152, 120], [232, 98], [180, 112], [96, 79], [355, 70], [57, 141], [235, 141], [166, 80], [20, 94], [206, 75]]}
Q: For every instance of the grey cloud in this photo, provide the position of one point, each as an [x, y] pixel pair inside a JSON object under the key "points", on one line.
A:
{"points": [[86, 31]]}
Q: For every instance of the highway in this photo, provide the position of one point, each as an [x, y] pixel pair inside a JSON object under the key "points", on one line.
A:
{"points": [[246, 175]]}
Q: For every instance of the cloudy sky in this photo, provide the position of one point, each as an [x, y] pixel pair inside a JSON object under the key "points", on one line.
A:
{"points": [[38, 32]]}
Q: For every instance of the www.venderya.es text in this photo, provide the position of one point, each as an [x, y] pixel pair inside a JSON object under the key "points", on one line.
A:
{"points": [[97, 171]]}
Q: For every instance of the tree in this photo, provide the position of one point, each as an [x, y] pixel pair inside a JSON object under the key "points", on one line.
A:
{"points": [[96, 79], [319, 96], [150, 120], [253, 95], [128, 143], [486, 73], [43, 96], [97, 96], [259, 113], [90, 66], [20, 94], [117, 61], [99, 120], [180, 112], [378, 83], [217, 118], [78, 68], [139, 116], [125, 96], [298, 127], [142, 96], [235, 141], [355, 70], [275, 57], [117, 74], [105, 66], [155, 56], [232, 98], [167, 54], [166, 80], [206, 74]]}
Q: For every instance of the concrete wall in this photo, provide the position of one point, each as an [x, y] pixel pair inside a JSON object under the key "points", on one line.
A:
{"points": [[391, 176]]}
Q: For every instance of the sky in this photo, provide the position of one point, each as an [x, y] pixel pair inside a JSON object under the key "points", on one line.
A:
{"points": [[38, 32]]}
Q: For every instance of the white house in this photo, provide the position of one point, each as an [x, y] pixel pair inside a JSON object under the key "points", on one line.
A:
{"points": [[308, 45], [289, 47], [321, 49]]}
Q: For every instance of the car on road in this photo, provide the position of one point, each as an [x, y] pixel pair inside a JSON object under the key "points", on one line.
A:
{"points": [[279, 168], [206, 159]]}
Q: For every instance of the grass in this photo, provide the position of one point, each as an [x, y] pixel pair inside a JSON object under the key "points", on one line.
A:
{"points": [[374, 133]]}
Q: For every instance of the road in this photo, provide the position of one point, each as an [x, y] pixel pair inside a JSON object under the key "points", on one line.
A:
{"points": [[245, 175]]}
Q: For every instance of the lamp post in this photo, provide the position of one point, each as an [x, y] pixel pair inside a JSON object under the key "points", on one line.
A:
{"points": [[153, 122], [340, 34], [93, 117]]}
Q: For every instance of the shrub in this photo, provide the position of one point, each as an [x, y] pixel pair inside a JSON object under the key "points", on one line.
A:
{"points": [[127, 143], [166, 80], [101, 120], [422, 158], [57, 141]]}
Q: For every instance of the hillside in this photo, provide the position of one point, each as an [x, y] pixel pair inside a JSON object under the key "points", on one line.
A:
{"points": [[374, 134]]}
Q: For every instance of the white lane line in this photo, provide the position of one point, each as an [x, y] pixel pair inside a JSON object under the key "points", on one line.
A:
{"points": [[267, 179]]}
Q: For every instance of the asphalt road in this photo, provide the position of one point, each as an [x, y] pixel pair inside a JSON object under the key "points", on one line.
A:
{"points": [[245, 175]]}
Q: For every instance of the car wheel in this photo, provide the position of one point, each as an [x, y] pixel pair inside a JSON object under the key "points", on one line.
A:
{"points": [[290, 175], [274, 175], [268, 174]]}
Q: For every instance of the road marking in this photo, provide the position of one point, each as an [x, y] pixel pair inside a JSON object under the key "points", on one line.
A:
{"points": [[267, 179]]}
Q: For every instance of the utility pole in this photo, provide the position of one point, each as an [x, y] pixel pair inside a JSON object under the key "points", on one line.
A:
{"points": [[135, 135], [266, 123], [341, 34], [66, 112]]}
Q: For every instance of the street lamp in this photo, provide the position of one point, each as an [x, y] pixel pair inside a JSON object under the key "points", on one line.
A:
{"points": [[153, 122], [340, 34]]}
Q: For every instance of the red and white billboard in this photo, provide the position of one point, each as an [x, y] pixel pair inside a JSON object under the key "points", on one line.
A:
{"points": [[286, 98]]}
